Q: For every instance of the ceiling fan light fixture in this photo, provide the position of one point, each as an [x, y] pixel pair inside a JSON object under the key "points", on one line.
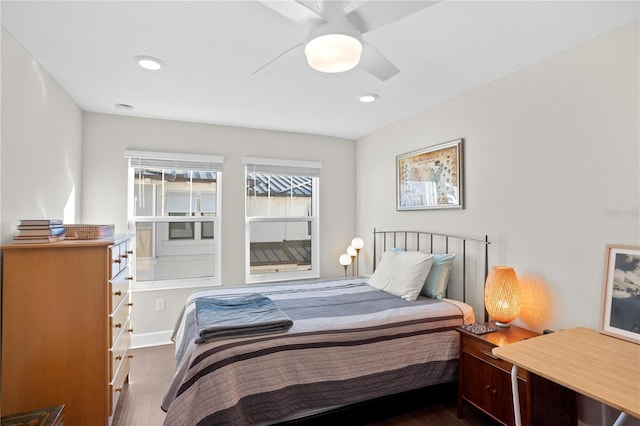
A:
{"points": [[333, 53]]}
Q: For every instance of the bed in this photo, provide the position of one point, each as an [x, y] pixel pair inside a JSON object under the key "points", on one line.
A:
{"points": [[337, 342]]}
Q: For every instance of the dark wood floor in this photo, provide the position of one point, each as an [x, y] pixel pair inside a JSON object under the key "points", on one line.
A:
{"points": [[152, 368], [435, 406]]}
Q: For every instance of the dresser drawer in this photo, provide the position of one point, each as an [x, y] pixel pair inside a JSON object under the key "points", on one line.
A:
{"points": [[119, 288], [129, 248], [116, 262], [120, 254], [119, 350], [489, 389], [482, 350], [119, 320], [117, 384]]}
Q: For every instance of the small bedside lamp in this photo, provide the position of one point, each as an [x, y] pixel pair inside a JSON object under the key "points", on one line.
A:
{"points": [[357, 243], [345, 260], [502, 295]]}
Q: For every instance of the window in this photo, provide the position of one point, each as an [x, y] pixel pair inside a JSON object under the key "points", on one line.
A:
{"points": [[281, 211], [174, 205]]}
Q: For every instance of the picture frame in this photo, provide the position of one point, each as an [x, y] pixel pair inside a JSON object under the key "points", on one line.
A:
{"points": [[430, 178], [621, 294]]}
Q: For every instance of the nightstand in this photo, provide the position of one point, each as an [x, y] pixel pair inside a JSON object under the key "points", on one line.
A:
{"points": [[485, 383]]}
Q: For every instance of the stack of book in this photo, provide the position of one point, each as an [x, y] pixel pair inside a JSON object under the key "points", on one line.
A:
{"points": [[40, 231]]}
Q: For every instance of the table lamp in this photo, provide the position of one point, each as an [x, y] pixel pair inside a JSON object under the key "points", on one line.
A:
{"points": [[502, 295]]}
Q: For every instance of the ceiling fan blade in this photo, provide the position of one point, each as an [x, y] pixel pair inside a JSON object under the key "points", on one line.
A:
{"points": [[376, 14], [375, 63], [301, 12], [277, 57]]}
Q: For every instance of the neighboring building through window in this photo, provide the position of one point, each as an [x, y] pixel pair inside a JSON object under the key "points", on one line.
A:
{"points": [[174, 205], [281, 211]]}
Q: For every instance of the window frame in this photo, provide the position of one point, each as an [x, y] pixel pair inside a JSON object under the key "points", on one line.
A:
{"points": [[184, 162], [285, 168]]}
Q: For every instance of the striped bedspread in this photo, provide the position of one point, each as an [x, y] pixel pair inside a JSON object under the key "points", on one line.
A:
{"points": [[349, 343]]}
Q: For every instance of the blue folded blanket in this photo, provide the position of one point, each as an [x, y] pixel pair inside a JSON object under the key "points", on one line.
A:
{"points": [[250, 315]]}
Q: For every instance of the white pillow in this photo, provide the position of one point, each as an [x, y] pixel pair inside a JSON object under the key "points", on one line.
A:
{"points": [[402, 273]]}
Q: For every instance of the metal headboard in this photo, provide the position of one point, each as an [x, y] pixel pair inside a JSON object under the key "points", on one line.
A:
{"points": [[424, 241]]}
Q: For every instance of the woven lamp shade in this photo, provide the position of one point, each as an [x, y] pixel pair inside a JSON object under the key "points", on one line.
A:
{"points": [[502, 295]]}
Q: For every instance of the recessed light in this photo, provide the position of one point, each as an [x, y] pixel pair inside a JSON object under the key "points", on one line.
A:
{"points": [[149, 62], [368, 98], [124, 108]]}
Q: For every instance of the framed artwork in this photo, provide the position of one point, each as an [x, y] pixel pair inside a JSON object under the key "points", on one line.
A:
{"points": [[621, 295], [430, 178]]}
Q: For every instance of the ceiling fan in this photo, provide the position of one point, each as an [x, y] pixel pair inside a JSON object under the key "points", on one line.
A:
{"points": [[334, 42]]}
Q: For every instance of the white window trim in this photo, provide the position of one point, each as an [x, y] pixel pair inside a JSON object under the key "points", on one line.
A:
{"points": [[178, 161], [276, 166]]}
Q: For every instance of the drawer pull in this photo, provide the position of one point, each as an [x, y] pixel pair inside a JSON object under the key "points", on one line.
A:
{"points": [[117, 293], [130, 330], [119, 357], [129, 251], [129, 278], [489, 354], [118, 325], [129, 304], [130, 356], [118, 389], [124, 256], [116, 260]]}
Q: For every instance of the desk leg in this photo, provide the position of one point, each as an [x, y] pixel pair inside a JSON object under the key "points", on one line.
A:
{"points": [[516, 397], [621, 419]]}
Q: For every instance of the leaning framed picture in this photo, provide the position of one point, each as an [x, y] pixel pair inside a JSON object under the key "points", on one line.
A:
{"points": [[430, 178], [621, 295]]}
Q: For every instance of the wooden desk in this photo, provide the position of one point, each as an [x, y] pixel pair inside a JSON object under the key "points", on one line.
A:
{"points": [[601, 367]]}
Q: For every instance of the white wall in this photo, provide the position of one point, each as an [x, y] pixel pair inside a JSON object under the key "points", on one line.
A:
{"points": [[552, 170], [105, 138], [40, 144], [552, 173]]}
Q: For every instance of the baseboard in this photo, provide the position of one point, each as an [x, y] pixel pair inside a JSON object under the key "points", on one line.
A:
{"points": [[145, 340]]}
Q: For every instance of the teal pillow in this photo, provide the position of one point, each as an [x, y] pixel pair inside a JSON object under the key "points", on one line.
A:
{"points": [[436, 283]]}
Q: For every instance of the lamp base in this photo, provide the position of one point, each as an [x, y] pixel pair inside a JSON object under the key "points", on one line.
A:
{"points": [[502, 324]]}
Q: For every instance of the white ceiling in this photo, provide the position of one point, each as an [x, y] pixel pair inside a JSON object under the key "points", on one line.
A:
{"points": [[211, 48]]}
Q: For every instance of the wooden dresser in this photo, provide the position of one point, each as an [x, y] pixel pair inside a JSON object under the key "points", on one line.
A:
{"points": [[66, 327]]}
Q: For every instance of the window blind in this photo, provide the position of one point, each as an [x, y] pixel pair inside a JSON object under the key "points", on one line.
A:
{"points": [[282, 167], [174, 161]]}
